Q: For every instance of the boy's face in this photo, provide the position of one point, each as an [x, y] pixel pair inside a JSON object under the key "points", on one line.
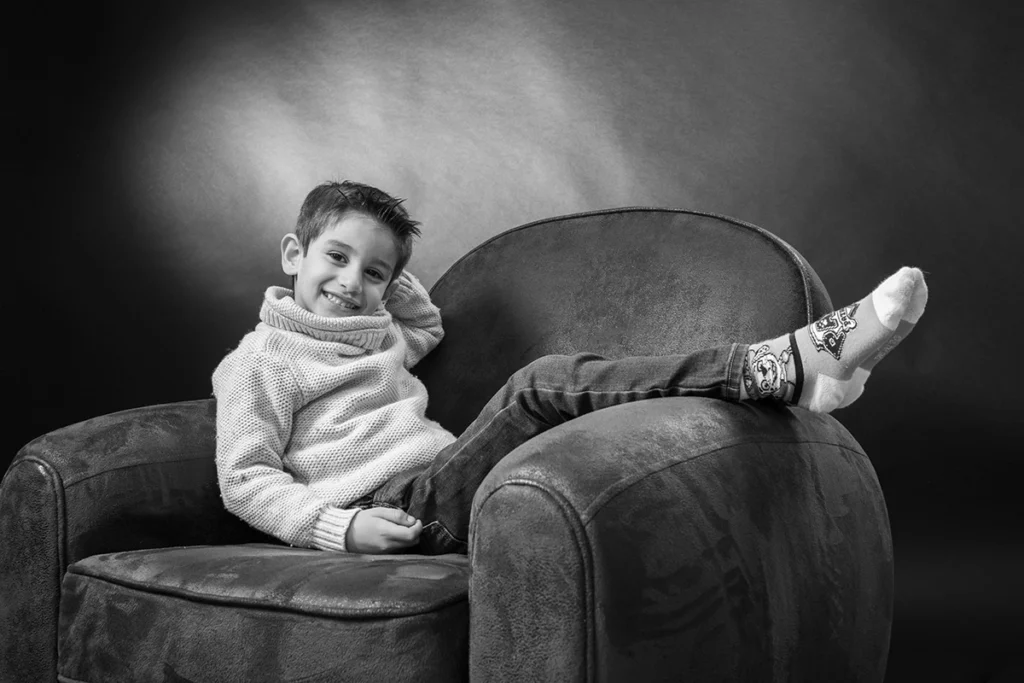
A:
{"points": [[346, 271]]}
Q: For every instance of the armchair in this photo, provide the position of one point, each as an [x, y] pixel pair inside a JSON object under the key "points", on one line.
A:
{"points": [[670, 539]]}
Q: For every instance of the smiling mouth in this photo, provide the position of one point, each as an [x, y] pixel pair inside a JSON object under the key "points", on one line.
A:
{"points": [[340, 302]]}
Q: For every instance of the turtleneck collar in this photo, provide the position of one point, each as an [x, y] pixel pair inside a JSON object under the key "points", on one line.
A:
{"points": [[359, 332]]}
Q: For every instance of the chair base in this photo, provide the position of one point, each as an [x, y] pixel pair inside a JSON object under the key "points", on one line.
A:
{"points": [[263, 612]]}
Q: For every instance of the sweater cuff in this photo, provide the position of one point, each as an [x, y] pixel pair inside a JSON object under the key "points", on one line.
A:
{"points": [[330, 528], [409, 289]]}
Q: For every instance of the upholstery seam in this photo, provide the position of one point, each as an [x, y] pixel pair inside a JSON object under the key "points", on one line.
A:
{"points": [[73, 481], [794, 257], [621, 487], [248, 603], [155, 408]]}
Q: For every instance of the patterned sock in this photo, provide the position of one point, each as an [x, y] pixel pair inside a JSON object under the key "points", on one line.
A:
{"points": [[824, 365]]}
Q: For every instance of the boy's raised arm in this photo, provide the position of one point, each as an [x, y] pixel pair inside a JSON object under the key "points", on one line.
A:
{"points": [[417, 317], [256, 398]]}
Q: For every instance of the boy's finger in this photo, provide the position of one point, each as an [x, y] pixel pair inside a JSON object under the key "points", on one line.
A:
{"points": [[396, 516], [405, 534]]}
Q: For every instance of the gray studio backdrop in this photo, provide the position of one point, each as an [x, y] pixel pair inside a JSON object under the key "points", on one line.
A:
{"points": [[163, 149]]}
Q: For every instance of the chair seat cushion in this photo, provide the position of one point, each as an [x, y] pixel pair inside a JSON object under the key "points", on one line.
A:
{"points": [[264, 612]]}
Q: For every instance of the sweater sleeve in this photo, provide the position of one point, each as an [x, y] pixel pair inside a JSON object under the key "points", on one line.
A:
{"points": [[257, 395], [418, 319]]}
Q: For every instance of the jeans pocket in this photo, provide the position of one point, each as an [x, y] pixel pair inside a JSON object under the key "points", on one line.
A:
{"points": [[435, 539], [396, 491], [364, 503]]}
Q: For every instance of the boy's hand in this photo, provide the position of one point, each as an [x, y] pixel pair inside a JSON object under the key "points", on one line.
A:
{"points": [[382, 530]]}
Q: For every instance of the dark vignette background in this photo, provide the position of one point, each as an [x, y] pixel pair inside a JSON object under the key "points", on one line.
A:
{"points": [[159, 150]]}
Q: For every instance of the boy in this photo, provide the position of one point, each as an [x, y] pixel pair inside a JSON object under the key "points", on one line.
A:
{"points": [[322, 439]]}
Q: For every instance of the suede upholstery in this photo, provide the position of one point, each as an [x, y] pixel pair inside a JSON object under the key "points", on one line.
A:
{"points": [[623, 282], [671, 539], [292, 614], [759, 563]]}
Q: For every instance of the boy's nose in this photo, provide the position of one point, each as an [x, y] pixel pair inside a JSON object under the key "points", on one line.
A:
{"points": [[350, 281]]}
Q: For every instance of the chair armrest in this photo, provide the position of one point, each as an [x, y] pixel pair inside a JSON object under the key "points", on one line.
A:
{"points": [[142, 478], [682, 539]]}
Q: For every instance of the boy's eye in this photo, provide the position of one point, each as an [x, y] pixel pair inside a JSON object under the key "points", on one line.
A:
{"points": [[375, 274], [337, 256]]}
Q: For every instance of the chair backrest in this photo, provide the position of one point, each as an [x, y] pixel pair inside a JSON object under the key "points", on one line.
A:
{"points": [[630, 281]]}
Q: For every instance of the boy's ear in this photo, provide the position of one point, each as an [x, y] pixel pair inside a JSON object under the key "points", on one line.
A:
{"points": [[291, 254]]}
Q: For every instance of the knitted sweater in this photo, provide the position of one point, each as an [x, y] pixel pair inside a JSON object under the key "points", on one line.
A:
{"points": [[314, 412]]}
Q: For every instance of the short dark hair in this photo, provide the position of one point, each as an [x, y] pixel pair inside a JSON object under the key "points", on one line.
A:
{"points": [[328, 202]]}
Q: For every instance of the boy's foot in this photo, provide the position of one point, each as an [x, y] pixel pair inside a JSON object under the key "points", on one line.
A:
{"points": [[824, 365]]}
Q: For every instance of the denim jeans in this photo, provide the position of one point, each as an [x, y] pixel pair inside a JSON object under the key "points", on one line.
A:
{"points": [[542, 395]]}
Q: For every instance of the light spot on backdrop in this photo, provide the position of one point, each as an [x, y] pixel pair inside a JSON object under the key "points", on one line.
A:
{"points": [[470, 115], [813, 123]]}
